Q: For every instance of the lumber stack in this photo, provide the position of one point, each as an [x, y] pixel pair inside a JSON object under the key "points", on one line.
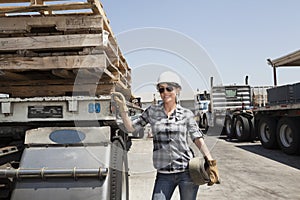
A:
{"points": [[61, 47]]}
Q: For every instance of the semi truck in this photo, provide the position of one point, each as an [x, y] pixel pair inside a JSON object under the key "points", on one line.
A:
{"points": [[201, 109], [270, 114], [60, 134], [231, 108]]}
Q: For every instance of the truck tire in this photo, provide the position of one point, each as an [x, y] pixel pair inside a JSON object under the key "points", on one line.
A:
{"points": [[288, 136], [267, 133], [253, 135], [228, 127], [242, 128], [119, 188]]}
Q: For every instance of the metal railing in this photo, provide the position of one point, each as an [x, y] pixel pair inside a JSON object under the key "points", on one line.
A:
{"points": [[45, 173]]}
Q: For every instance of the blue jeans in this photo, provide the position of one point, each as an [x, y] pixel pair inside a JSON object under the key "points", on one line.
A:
{"points": [[165, 185]]}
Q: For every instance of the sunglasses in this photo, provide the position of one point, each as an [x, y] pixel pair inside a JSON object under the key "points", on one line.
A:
{"points": [[168, 88]]}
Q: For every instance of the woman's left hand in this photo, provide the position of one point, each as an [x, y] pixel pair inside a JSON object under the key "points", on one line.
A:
{"points": [[212, 171]]}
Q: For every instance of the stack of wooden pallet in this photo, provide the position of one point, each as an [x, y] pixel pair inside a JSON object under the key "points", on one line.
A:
{"points": [[55, 48]]}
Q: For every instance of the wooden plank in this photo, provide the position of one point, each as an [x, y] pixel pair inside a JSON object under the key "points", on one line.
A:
{"points": [[56, 90], [60, 23], [91, 74], [98, 9], [61, 90], [53, 62], [60, 77], [49, 8], [116, 65], [63, 73], [57, 41], [12, 76], [111, 54], [36, 2], [21, 1], [40, 79]]}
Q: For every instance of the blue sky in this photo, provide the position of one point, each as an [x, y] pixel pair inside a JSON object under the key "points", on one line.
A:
{"points": [[237, 35], [232, 37]]}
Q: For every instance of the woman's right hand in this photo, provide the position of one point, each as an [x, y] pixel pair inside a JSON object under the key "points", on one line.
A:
{"points": [[120, 101]]}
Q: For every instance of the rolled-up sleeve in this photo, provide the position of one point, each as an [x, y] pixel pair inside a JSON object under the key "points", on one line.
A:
{"points": [[141, 121], [192, 127]]}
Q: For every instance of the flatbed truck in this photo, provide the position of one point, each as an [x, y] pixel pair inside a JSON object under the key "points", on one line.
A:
{"points": [[60, 134]]}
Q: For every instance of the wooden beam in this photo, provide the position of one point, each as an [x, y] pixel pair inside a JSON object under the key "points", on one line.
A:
{"points": [[20, 1], [62, 76], [90, 74], [59, 81], [36, 2], [62, 73], [61, 90], [51, 42], [61, 23], [50, 8], [56, 90], [12, 76], [53, 62], [98, 9]]}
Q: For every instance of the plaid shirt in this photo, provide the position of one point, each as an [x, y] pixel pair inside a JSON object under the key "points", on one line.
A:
{"points": [[171, 151]]}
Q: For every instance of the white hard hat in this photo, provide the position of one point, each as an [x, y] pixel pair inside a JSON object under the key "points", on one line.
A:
{"points": [[169, 77]]}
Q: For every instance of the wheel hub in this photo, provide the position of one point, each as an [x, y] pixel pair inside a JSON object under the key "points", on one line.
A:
{"points": [[286, 135]]}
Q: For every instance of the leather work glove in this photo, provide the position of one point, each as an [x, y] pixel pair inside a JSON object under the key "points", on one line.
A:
{"points": [[120, 101], [212, 171]]}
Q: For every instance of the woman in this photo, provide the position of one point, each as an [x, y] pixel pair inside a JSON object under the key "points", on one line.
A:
{"points": [[171, 125]]}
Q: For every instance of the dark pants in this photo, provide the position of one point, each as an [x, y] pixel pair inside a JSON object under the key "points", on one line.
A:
{"points": [[165, 185]]}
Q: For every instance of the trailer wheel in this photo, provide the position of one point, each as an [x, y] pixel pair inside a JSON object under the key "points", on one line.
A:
{"points": [[288, 136], [119, 189], [242, 128], [228, 127], [267, 133], [252, 136]]}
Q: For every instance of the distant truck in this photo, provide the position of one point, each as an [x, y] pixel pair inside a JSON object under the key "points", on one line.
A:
{"points": [[231, 107], [270, 114], [202, 102]]}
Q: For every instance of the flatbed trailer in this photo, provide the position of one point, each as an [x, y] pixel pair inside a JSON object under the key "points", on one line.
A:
{"points": [[277, 124]]}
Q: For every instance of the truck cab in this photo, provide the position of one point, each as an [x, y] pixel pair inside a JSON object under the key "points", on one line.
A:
{"points": [[202, 104]]}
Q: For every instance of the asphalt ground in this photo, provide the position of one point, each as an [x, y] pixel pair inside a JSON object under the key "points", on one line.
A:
{"points": [[247, 171]]}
